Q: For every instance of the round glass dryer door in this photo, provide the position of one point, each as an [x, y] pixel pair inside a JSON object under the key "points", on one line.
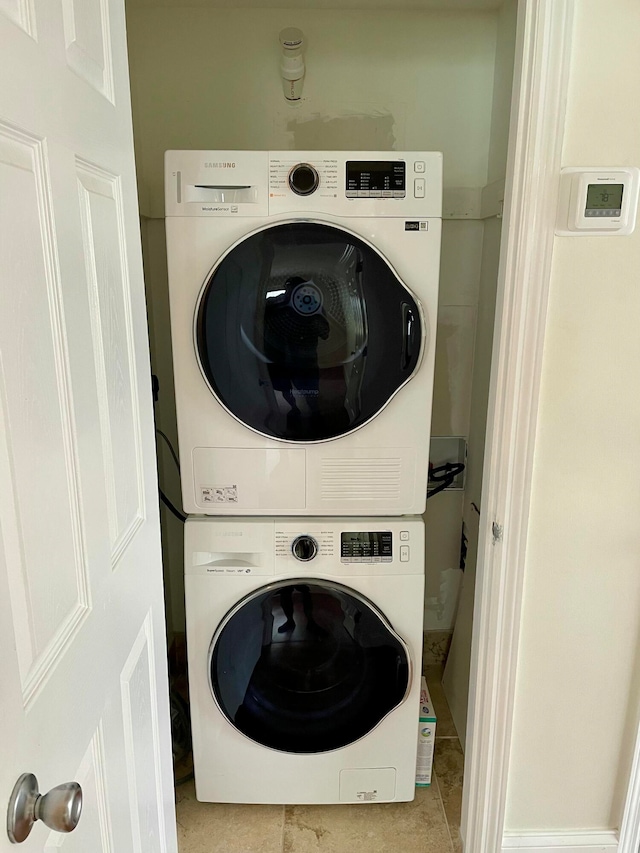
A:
{"points": [[307, 666], [304, 332]]}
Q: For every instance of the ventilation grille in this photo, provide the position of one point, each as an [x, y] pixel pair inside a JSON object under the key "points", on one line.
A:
{"points": [[360, 479]]}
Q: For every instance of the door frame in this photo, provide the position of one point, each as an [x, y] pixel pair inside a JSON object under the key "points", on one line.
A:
{"points": [[536, 135], [629, 836], [541, 74]]}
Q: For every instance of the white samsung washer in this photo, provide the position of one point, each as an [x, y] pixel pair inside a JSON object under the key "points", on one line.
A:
{"points": [[304, 292], [304, 641]]}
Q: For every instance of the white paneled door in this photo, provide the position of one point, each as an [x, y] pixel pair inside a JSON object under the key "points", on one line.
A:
{"points": [[83, 686]]}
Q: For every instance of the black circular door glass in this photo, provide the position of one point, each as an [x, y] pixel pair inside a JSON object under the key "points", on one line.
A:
{"points": [[304, 332], [307, 666]]}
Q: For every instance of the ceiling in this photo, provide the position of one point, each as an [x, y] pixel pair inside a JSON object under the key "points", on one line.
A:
{"points": [[433, 5]]}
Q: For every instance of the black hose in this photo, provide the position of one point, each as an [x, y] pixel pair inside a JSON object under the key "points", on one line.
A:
{"points": [[444, 475], [165, 500]]}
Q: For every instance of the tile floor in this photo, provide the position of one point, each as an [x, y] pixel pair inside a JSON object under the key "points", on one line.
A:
{"points": [[430, 824]]}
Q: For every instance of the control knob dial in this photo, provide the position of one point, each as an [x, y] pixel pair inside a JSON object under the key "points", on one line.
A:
{"points": [[303, 179], [304, 548]]}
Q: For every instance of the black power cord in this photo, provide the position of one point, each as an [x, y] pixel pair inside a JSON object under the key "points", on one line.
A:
{"points": [[180, 722], [170, 446], [165, 500], [443, 475]]}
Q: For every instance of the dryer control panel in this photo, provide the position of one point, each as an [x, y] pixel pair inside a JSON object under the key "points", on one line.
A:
{"points": [[272, 183], [356, 183], [376, 179]]}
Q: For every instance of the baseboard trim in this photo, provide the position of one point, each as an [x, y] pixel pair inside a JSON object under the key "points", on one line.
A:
{"points": [[569, 842]]}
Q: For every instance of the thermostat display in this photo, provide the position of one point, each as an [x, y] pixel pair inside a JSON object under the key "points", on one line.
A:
{"points": [[598, 202], [604, 200]]}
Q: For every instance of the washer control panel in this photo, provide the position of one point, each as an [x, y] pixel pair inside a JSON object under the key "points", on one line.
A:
{"points": [[295, 547], [366, 547], [339, 547]]}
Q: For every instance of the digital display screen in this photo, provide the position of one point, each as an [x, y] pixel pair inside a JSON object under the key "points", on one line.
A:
{"points": [[604, 196], [362, 547], [375, 179]]}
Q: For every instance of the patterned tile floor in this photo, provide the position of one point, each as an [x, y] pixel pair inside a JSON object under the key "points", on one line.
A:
{"points": [[430, 824]]}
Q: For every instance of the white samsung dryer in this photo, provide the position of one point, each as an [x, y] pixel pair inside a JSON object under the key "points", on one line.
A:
{"points": [[303, 289], [304, 643]]}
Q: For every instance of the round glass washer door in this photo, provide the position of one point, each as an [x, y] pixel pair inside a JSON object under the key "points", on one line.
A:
{"points": [[307, 666], [304, 332]]}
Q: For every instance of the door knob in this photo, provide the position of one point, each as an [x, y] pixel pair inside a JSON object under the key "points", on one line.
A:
{"points": [[60, 809]]}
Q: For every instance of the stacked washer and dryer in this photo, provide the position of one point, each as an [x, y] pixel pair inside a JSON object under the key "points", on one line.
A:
{"points": [[304, 290]]}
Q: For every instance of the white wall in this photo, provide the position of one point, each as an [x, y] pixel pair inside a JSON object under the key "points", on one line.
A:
{"points": [[208, 78], [578, 681], [456, 676], [502, 90], [155, 276], [457, 313]]}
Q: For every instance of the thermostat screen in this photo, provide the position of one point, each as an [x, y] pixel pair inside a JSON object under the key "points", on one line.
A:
{"points": [[604, 197], [366, 547], [375, 179]]}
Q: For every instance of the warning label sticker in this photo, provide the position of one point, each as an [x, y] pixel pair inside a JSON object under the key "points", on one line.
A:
{"points": [[219, 494]]}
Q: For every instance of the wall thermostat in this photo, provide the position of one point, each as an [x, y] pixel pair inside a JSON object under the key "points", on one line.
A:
{"points": [[598, 202]]}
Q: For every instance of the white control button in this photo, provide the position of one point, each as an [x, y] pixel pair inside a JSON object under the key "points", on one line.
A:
{"points": [[404, 535], [418, 166], [419, 187], [404, 553]]}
